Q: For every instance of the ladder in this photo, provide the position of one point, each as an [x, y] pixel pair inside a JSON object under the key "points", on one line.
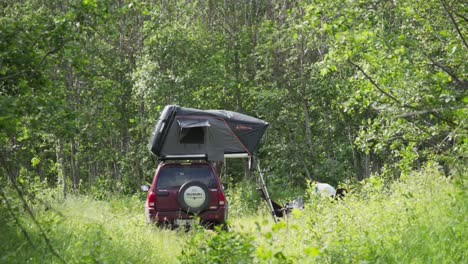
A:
{"points": [[264, 190]]}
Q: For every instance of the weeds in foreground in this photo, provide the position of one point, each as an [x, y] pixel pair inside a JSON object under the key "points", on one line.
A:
{"points": [[419, 219], [85, 230]]}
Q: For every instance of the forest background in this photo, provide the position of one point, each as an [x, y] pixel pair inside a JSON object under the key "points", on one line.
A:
{"points": [[351, 89]]}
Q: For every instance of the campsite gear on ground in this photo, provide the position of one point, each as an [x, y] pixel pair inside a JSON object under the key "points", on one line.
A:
{"points": [[277, 211], [297, 203], [213, 135], [340, 193], [324, 189], [282, 211]]}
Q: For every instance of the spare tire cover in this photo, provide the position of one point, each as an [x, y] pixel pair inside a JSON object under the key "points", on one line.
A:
{"points": [[194, 196]]}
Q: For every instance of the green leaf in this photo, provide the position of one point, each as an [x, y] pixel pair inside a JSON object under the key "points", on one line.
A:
{"points": [[312, 251], [35, 161]]}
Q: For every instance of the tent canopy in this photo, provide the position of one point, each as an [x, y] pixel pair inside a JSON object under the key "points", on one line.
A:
{"points": [[210, 133]]}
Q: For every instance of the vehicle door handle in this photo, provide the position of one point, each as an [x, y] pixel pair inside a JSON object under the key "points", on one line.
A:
{"points": [[162, 193]]}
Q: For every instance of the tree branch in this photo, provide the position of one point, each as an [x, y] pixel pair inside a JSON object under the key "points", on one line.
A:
{"points": [[447, 70], [9, 76], [376, 85], [28, 209], [51, 52], [417, 113], [40, 63], [18, 223], [452, 19], [461, 16]]}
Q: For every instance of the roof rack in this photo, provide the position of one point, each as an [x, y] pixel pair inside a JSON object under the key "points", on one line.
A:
{"points": [[201, 156], [184, 157], [237, 155]]}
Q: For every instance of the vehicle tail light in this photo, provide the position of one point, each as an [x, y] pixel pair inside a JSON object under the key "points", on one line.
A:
{"points": [[151, 199], [221, 198]]}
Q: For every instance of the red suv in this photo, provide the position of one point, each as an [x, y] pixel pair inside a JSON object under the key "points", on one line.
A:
{"points": [[181, 191]]}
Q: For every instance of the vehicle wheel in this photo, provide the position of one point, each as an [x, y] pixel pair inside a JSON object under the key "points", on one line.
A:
{"points": [[222, 227], [194, 197]]}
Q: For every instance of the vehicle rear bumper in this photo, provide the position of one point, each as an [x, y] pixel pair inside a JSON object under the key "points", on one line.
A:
{"points": [[215, 216]]}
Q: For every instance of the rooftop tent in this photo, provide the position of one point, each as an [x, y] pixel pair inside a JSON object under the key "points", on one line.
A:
{"points": [[209, 133]]}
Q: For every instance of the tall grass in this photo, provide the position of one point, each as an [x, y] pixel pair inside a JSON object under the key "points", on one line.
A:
{"points": [[84, 230], [419, 219]]}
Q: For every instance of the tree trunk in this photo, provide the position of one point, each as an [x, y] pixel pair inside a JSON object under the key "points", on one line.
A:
{"points": [[356, 159], [61, 175], [299, 157], [74, 166], [367, 166], [308, 131], [308, 174], [72, 84]]}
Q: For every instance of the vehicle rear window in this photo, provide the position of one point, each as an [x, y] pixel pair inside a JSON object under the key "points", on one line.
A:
{"points": [[174, 177]]}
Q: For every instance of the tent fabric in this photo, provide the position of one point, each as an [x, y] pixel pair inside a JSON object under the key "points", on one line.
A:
{"points": [[189, 123], [224, 132]]}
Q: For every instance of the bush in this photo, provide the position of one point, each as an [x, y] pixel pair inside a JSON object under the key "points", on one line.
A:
{"points": [[243, 199], [418, 219], [83, 229], [218, 247]]}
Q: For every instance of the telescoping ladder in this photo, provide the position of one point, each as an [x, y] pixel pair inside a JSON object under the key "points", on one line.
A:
{"points": [[264, 190]]}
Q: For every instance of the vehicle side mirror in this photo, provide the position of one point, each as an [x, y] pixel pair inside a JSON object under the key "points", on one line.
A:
{"points": [[144, 188], [225, 186]]}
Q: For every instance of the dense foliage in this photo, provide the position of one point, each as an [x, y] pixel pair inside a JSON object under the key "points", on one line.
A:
{"points": [[419, 219], [349, 87]]}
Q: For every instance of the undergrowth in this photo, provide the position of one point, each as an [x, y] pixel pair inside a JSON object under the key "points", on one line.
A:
{"points": [[85, 230], [418, 219]]}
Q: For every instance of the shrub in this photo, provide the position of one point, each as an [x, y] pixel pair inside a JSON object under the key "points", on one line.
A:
{"points": [[417, 219], [243, 199], [218, 247]]}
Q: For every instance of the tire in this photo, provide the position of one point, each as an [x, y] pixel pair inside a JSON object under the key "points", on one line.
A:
{"points": [[225, 227], [220, 227], [194, 197]]}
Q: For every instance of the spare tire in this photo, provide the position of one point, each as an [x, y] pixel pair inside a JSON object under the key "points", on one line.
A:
{"points": [[194, 196]]}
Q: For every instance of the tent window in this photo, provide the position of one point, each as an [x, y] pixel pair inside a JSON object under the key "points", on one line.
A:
{"points": [[192, 131], [192, 135]]}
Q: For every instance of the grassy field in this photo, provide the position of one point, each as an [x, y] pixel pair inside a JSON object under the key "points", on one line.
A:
{"points": [[421, 219]]}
